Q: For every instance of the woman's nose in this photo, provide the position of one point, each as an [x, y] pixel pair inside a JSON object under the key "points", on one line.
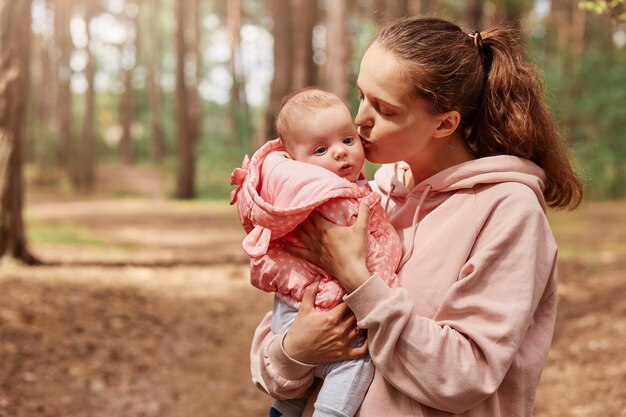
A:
{"points": [[362, 117]]}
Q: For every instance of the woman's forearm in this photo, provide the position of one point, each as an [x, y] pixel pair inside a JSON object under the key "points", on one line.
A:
{"points": [[273, 371]]}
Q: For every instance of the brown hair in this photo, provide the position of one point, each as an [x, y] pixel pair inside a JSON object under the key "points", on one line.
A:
{"points": [[497, 92], [301, 102]]}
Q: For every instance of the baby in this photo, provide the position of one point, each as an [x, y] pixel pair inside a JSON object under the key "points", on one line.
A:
{"points": [[315, 165]]}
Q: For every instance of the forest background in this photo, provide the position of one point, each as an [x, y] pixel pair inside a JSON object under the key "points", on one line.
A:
{"points": [[120, 122]]}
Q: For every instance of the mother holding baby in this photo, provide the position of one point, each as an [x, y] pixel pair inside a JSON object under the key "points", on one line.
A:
{"points": [[471, 159]]}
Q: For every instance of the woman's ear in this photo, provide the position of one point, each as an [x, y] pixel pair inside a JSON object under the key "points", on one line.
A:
{"points": [[448, 122]]}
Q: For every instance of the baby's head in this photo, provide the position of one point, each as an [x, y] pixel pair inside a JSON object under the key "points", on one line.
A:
{"points": [[315, 126]]}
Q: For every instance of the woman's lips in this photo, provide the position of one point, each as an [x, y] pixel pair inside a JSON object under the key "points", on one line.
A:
{"points": [[364, 140]]}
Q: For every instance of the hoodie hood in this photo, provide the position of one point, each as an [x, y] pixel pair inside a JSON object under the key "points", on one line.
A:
{"points": [[389, 179]]}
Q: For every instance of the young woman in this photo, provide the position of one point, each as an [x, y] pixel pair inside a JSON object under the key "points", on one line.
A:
{"points": [[472, 158]]}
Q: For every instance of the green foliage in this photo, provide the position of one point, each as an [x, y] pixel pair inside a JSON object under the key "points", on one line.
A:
{"points": [[585, 92], [611, 8]]}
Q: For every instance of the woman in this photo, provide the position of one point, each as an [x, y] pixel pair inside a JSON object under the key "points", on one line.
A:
{"points": [[473, 157]]}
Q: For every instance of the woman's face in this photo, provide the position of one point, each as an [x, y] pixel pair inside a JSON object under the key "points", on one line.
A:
{"points": [[393, 124]]}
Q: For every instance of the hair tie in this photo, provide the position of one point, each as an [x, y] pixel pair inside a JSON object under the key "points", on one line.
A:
{"points": [[478, 40]]}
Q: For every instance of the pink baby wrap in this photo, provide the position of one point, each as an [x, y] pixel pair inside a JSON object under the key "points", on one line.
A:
{"points": [[275, 194]]}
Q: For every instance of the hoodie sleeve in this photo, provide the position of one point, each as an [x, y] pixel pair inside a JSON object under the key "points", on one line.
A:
{"points": [[273, 371], [459, 357]]}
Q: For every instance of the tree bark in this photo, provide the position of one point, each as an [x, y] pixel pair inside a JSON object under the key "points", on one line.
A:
{"points": [[86, 162], [63, 47], [294, 68], [239, 109], [386, 11], [338, 49], [473, 14], [185, 178], [304, 14], [127, 99], [15, 48], [154, 76], [283, 57]]}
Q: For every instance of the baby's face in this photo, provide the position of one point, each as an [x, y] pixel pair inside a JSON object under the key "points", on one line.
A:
{"points": [[328, 139]]}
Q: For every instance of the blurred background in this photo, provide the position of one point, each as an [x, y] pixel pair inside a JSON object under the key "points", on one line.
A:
{"points": [[120, 122]]}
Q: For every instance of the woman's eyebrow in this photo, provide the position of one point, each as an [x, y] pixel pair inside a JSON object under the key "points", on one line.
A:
{"points": [[380, 100]]}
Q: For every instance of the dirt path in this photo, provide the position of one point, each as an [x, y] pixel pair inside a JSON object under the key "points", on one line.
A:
{"points": [[135, 317]]}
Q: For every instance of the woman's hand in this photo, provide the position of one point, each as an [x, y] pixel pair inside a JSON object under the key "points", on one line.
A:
{"points": [[339, 250], [317, 337]]}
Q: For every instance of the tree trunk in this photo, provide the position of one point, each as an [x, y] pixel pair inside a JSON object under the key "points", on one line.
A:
{"points": [[338, 49], [15, 47], [86, 162], [185, 184], [294, 68], [154, 76], [283, 58], [239, 109], [127, 99], [473, 14], [63, 41], [304, 15], [386, 11], [193, 83], [414, 7]]}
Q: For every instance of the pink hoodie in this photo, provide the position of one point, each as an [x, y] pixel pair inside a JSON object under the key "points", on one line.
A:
{"points": [[468, 330], [275, 194]]}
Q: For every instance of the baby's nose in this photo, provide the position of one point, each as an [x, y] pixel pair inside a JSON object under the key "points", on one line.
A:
{"points": [[340, 152]]}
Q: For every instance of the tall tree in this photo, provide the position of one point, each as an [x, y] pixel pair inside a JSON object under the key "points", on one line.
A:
{"points": [[47, 98], [385, 11], [15, 48], [303, 18], [85, 174], [154, 50], [187, 100], [473, 14], [239, 110], [63, 10], [338, 48], [130, 54], [293, 22]]}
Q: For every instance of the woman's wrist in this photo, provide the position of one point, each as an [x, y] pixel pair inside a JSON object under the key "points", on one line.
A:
{"points": [[354, 276], [293, 350]]}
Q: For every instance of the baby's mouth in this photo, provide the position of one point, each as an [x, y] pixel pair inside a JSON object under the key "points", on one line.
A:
{"points": [[345, 168]]}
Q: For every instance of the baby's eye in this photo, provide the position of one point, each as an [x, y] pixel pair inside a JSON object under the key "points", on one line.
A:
{"points": [[321, 150], [348, 141]]}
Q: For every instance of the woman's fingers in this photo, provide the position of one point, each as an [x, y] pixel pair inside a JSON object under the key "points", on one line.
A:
{"points": [[362, 219], [358, 351], [308, 297], [300, 252]]}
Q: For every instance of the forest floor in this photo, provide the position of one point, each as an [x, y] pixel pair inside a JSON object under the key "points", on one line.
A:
{"points": [[134, 313]]}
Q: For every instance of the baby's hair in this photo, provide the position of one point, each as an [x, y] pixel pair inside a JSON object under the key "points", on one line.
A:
{"points": [[300, 103]]}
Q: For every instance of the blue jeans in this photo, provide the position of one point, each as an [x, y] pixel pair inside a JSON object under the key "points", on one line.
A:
{"points": [[274, 412]]}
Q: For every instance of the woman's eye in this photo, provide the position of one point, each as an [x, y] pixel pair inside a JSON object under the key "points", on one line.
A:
{"points": [[348, 140], [320, 151]]}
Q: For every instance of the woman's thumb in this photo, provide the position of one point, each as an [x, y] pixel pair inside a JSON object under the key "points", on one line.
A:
{"points": [[308, 297], [363, 217]]}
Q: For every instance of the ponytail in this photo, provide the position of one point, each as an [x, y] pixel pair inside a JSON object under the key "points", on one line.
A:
{"points": [[485, 77], [513, 118]]}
